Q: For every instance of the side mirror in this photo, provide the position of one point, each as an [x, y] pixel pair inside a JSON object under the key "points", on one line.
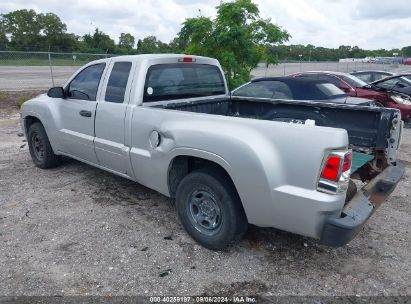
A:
{"points": [[56, 92]]}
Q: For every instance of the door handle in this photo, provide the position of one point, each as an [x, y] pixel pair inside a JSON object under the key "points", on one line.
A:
{"points": [[85, 113]]}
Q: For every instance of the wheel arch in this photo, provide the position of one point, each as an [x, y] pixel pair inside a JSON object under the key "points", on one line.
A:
{"points": [[182, 165], [30, 120]]}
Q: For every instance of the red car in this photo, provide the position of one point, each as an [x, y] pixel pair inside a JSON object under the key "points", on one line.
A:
{"points": [[407, 61], [391, 92]]}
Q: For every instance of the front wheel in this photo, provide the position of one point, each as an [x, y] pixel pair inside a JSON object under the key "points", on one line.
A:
{"points": [[40, 149], [210, 210]]}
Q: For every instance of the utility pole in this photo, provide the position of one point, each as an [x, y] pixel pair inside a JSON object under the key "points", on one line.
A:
{"points": [[51, 68]]}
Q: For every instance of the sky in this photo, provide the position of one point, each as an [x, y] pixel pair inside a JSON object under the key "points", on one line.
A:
{"points": [[369, 24]]}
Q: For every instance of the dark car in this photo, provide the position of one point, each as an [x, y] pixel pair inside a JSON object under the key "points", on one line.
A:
{"points": [[391, 92], [371, 76], [288, 88], [346, 82]]}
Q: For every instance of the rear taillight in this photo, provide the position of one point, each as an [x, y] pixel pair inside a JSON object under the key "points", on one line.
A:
{"points": [[331, 168], [335, 172], [347, 162]]}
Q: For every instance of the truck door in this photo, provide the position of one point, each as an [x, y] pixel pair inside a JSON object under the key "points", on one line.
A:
{"points": [[110, 127], [77, 111]]}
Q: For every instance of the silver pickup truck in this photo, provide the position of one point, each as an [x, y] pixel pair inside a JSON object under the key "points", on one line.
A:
{"points": [[168, 122]]}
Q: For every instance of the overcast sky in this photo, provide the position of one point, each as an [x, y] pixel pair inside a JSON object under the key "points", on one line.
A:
{"points": [[370, 24]]}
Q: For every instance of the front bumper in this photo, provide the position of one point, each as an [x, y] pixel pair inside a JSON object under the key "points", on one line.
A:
{"points": [[339, 231]]}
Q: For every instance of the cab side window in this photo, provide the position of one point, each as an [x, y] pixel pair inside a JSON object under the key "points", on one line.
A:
{"points": [[85, 85], [117, 83]]}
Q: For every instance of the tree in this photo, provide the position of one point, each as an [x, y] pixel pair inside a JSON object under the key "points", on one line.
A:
{"points": [[177, 45], [29, 30], [238, 37], [99, 42], [24, 28], [126, 41], [150, 45], [3, 37], [406, 51], [51, 25], [53, 31], [147, 46]]}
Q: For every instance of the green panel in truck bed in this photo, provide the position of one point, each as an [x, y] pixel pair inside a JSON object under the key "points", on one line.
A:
{"points": [[359, 160]]}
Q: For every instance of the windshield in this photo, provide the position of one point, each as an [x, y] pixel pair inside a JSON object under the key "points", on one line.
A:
{"points": [[402, 81], [353, 81]]}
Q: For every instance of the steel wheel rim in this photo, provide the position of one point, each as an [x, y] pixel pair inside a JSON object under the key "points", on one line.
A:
{"points": [[37, 146], [204, 212]]}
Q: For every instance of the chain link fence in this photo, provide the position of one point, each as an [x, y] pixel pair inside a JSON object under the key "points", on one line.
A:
{"points": [[42, 70], [286, 67]]}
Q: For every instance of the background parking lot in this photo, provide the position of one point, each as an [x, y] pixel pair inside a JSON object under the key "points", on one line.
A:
{"points": [[25, 71], [77, 230]]}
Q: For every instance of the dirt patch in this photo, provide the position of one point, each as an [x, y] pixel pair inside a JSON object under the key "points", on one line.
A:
{"points": [[10, 101]]}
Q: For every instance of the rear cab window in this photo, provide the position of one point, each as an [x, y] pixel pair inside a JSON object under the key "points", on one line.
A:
{"points": [[182, 80]]}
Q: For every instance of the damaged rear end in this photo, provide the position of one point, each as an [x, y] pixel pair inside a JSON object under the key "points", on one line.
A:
{"points": [[373, 164]]}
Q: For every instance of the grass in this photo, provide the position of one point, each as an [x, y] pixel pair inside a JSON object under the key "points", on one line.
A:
{"points": [[45, 61], [2, 97], [13, 100], [22, 99]]}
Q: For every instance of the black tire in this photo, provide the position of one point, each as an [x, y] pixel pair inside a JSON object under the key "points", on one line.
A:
{"points": [[40, 149], [351, 191], [218, 202]]}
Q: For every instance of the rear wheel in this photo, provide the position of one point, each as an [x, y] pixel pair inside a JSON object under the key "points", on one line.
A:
{"points": [[210, 210], [40, 149]]}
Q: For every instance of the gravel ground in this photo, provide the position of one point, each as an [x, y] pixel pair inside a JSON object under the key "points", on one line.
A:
{"points": [[76, 230]]}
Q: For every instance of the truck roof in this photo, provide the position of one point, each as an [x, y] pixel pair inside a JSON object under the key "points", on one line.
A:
{"points": [[160, 57]]}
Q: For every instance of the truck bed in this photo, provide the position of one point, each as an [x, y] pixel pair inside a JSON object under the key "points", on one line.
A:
{"points": [[369, 129]]}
